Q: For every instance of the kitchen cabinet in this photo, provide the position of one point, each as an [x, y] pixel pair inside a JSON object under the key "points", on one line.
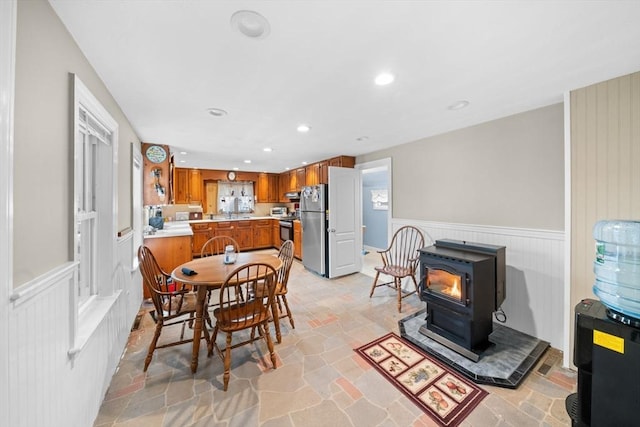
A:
{"points": [[323, 172], [262, 233], [202, 232], [267, 188], [243, 234], [312, 174], [293, 180], [297, 240], [187, 186], [225, 228], [301, 178], [169, 252], [343, 161], [275, 233], [283, 186]]}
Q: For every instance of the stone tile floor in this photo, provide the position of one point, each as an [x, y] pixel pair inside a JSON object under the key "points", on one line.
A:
{"points": [[319, 380]]}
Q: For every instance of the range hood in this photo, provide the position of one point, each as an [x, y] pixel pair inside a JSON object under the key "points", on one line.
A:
{"points": [[292, 195]]}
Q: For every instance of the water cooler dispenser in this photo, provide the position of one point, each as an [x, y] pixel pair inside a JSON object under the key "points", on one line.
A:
{"points": [[607, 333]]}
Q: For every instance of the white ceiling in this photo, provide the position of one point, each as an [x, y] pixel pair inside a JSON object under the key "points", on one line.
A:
{"points": [[167, 62]]}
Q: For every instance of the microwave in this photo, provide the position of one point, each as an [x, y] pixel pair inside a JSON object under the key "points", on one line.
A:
{"points": [[279, 211]]}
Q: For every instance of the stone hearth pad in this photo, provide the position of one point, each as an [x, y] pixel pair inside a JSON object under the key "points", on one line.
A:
{"points": [[504, 364]]}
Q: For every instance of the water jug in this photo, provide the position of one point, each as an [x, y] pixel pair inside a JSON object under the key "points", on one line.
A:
{"points": [[617, 265], [229, 254]]}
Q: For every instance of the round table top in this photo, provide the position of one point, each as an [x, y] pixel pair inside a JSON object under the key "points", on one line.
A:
{"points": [[212, 271]]}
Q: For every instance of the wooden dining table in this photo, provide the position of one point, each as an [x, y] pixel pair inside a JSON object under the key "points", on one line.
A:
{"points": [[211, 274]]}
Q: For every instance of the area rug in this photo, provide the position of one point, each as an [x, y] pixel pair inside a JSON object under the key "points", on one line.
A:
{"points": [[443, 394]]}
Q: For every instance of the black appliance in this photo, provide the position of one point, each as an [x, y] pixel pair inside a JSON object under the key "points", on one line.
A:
{"points": [[607, 355], [286, 230], [462, 284]]}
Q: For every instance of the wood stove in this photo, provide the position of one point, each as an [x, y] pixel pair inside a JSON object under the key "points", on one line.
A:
{"points": [[462, 284]]}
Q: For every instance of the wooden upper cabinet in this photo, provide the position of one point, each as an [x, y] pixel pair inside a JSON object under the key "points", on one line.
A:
{"points": [[187, 186], [267, 188], [262, 188], [283, 186], [301, 178], [323, 172], [293, 181], [312, 174], [180, 185], [195, 186], [343, 161]]}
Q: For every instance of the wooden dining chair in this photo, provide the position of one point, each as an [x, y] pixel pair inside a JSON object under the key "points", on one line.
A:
{"points": [[216, 246], [240, 309], [400, 260], [285, 254], [174, 304]]}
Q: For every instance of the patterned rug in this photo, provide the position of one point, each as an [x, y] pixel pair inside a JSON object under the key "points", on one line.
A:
{"points": [[443, 394]]}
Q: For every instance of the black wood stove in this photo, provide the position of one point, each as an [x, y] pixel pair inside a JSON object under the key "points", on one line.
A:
{"points": [[462, 283]]}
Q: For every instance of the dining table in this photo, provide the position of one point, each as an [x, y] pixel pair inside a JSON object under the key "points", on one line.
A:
{"points": [[210, 273]]}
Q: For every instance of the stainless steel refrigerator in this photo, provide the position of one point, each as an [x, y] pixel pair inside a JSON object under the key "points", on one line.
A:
{"points": [[313, 217]]}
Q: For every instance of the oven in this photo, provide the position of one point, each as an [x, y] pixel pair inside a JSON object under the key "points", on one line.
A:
{"points": [[286, 230]]}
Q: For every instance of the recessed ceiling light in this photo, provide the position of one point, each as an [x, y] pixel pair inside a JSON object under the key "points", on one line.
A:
{"points": [[236, 168], [287, 169], [251, 24], [304, 163], [247, 161], [183, 161], [183, 153], [384, 79], [216, 112], [267, 149], [458, 105], [304, 128]]}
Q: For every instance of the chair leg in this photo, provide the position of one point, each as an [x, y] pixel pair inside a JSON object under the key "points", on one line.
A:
{"points": [[267, 334], [398, 284], [373, 287], [227, 362], [212, 341], [152, 346], [286, 306]]}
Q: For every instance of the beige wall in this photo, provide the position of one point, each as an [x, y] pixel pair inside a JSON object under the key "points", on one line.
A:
{"points": [[43, 176], [507, 172], [605, 172]]}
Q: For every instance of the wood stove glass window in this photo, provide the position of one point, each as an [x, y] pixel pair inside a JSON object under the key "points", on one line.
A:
{"points": [[442, 282]]}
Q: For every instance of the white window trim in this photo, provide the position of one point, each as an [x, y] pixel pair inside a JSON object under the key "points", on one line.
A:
{"points": [[85, 319]]}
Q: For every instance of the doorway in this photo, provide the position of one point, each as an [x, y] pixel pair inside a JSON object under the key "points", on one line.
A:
{"points": [[376, 211]]}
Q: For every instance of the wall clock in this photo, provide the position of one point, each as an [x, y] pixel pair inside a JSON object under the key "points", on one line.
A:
{"points": [[156, 154], [231, 176]]}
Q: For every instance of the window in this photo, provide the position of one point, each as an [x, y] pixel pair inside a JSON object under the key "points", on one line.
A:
{"points": [[94, 196]]}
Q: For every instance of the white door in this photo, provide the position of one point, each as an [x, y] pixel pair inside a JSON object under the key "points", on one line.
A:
{"points": [[344, 228]]}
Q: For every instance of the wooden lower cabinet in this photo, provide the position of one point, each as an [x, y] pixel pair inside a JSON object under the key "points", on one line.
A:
{"points": [[202, 232], [170, 252], [262, 233], [297, 240], [244, 235], [275, 233]]}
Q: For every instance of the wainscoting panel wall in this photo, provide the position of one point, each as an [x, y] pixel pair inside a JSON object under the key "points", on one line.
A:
{"points": [[534, 301], [48, 386]]}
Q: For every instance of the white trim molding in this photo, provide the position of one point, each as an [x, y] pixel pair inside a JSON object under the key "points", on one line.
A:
{"points": [[8, 22], [535, 294]]}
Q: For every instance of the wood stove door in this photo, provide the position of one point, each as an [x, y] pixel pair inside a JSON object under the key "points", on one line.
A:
{"points": [[446, 282]]}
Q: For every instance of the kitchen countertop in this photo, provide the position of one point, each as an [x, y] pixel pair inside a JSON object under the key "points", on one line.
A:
{"points": [[172, 229], [222, 219], [183, 228]]}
